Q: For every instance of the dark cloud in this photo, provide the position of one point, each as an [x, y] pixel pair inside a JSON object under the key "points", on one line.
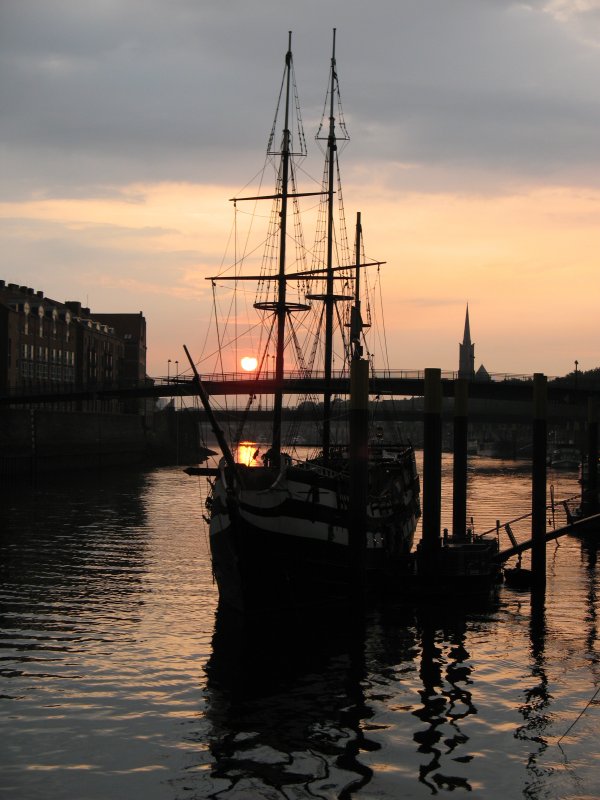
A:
{"points": [[98, 95]]}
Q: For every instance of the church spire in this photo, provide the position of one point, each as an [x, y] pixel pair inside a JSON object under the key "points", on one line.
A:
{"points": [[467, 334], [466, 352]]}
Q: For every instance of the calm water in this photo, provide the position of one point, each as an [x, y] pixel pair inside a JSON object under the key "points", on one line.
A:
{"points": [[116, 682]]}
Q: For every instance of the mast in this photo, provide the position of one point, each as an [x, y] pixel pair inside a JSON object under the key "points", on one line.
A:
{"points": [[359, 438], [278, 305], [329, 299], [356, 323], [281, 282]]}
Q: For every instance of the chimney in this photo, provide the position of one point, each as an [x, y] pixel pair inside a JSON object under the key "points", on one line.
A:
{"points": [[74, 306]]}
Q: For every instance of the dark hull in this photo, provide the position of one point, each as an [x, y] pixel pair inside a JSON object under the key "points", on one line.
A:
{"points": [[285, 543], [274, 571]]}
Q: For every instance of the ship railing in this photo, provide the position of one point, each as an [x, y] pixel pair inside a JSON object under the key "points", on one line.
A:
{"points": [[313, 467]]}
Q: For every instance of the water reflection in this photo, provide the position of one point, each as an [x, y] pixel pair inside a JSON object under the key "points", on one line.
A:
{"points": [[589, 556], [287, 706], [445, 672], [298, 707], [65, 574], [99, 603], [64, 543], [108, 612], [248, 453], [537, 701]]}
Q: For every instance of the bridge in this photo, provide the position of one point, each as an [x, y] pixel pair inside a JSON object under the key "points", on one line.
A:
{"points": [[510, 395]]}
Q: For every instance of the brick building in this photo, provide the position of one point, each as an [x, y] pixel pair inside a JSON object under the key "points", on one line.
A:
{"points": [[47, 346]]}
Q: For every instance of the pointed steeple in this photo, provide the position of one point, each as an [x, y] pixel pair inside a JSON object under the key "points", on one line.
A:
{"points": [[466, 352], [467, 333]]}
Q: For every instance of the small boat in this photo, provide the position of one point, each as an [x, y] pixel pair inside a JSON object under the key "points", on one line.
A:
{"points": [[565, 457], [296, 532], [517, 578]]}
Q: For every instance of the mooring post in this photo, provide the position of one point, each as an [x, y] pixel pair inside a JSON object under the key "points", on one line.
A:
{"points": [[538, 487], [590, 485], [432, 462], [359, 473], [459, 483]]}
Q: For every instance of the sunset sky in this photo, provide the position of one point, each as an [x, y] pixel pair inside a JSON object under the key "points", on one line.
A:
{"points": [[126, 126]]}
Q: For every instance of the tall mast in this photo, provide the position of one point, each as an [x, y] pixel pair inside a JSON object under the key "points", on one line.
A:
{"points": [[329, 299], [281, 282], [356, 323], [279, 305]]}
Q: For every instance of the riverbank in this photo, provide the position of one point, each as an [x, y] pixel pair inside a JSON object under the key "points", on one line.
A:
{"points": [[36, 441]]}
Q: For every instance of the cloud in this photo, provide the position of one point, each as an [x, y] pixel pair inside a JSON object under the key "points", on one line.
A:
{"points": [[107, 94], [126, 126]]}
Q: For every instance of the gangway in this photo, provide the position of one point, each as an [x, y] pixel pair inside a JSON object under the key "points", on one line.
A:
{"points": [[584, 526]]}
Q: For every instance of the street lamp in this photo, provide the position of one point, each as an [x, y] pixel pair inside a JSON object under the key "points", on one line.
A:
{"points": [[576, 365], [168, 370]]}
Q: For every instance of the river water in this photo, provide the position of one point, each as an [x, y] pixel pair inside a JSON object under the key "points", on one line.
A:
{"points": [[117, 681]]}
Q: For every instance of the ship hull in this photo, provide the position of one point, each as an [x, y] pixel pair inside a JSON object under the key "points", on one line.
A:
{"points": [[283, 541]]}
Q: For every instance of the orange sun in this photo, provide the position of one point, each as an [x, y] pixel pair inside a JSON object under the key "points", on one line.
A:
{"points": [[249, 363]]}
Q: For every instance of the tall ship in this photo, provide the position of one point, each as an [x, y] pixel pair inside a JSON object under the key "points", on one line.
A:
{"points": [[293, 529]]}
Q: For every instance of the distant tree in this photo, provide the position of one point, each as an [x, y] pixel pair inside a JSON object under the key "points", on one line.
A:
{"points": [[583, 377]]}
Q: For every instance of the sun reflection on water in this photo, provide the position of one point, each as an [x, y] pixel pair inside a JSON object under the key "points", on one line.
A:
{"points": [[248, 453]]}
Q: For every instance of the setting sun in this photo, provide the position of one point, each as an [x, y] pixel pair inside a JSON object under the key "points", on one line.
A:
{"points": [[249, 363]]}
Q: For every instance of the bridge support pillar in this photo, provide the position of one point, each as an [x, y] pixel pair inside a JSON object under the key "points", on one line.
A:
{"points": [[538, 487], [359, 473], [459, 474], [590, 480], [432, 467]]}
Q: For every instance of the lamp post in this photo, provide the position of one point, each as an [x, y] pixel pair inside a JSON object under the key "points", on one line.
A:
{"points": [[169, 370], [576, 365]]}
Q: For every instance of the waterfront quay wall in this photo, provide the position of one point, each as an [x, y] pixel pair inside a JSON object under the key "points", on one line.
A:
{"points": [[34, 441]]}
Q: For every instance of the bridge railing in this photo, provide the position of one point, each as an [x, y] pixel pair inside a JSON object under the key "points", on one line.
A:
{"points": [[56, 389], [391, 374]]}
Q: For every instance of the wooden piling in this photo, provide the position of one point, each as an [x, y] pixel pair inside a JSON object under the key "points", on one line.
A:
{"points": [[432, 459], [459, 475], [590, 485], [538, 484], [359, 473]]}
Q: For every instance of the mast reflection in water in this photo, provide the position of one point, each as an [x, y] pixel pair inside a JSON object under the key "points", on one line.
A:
{"points": [[118, 680]]}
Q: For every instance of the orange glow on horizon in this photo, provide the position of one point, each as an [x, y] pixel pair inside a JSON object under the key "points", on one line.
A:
{"points": [[511, 256]]}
